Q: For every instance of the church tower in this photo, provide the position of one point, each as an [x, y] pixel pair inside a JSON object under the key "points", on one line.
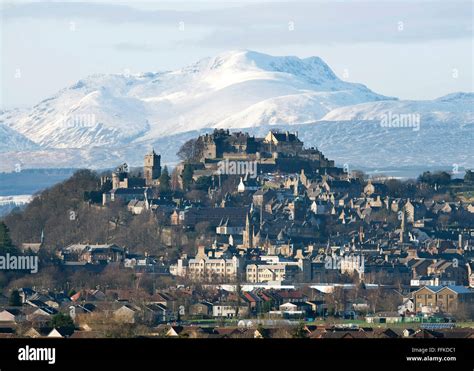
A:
{"points": [[152, 167], [248, 232], [403, 231]]}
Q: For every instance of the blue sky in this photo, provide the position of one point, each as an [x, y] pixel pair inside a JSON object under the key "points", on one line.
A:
{"points": [[407, 49]]}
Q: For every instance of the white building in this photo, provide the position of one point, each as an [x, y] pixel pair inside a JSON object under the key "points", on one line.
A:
{"points": [[270, 272], [206, 267], [228, 310]]}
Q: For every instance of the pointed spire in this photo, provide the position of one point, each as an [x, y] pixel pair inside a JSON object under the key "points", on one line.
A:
{"points": [[281, 235]]}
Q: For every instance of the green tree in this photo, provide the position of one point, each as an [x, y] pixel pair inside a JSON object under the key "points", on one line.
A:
{"points": [[62, 321], [469, 176], [5, 240], [300, 331], [203, 183], [187, 176], [15, 299], [165, 181], [6, 245]]}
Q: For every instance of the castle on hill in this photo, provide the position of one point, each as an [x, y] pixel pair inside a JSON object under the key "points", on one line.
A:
{"points": [[278, 151], [127, 187]]}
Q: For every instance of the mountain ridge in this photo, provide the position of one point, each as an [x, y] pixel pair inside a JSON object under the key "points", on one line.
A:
{"points": [[103, 116]]}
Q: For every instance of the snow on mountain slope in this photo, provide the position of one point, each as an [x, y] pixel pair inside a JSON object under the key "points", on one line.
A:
{"points": [[359, 144], [457, 107], [214, 92], [288, 109], [105, 120], [10, 140], [92, 112]]}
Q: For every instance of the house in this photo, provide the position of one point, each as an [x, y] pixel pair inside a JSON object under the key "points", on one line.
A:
{"points": [[11, 315], [136, 207], [126, 313], [318, 307], [270, 272], [95, 295], [407, 306], [386, 333], [432, 299], [262, 196], [289, 307], [32, 333], [203, 266], [292, 296], [26, 293], [375, 188], [92, 254], [31, 247], [228, 310], [230, 227], [294, 309], [214, 216], [156, 313], [42, 314], [58, 333], [126, 194], [202, 308], [431, 281], [252, 299], [174, 331]]}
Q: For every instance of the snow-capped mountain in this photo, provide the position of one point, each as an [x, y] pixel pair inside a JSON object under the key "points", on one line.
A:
{"points": [[13, 141], [233, 89], [103, 120], [457, 107]]}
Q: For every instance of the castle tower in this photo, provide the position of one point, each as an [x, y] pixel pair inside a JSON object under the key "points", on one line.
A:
{"points": [[152, 167], [120, 177], [115, 180]]}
